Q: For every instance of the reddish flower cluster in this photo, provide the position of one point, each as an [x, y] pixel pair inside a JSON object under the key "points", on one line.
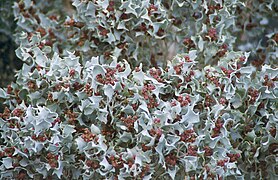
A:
{"points": [[57, 87], [129, 121], [216, 129], [88, 89], [209, 101], [6, 114], [41, 31], [151, 9], [145, 148], [52, 160], [116, 162], [233, 157], [208, 151], [50, 97], [120, 68], [156, 132], [268, 82], [130, 161], [71, 116], [253, 93], [40, 138], [8, 152], [71, 72], [88, 136], [223, 101], [18, 112], [110, 7], [92, 164], [242, 59], [13, 123], [188, 43], [171, 159], [160, 32], [146, 92], [188, 136], [212, 33], [222, 162], [192, 150], [184, 101], [258, 62], [109, 77], [9, 89], [124, 16], [187, 59], [227, 72], [272, 131], [76, 86], [32, 86], [212, 8], [222, 51], [108, 131], [178, 68], [72, 23], [173, 103], [103, 31], [57, 120], [143, 27], [156, 120], [156, 73], [212, 79]]}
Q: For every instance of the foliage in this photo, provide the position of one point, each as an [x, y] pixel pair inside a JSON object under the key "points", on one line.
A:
{"points": [[8, 59], [100, 95]]}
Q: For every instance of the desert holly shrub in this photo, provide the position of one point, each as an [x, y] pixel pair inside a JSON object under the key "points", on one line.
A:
{"points": [[138, 31], [100, 96]]}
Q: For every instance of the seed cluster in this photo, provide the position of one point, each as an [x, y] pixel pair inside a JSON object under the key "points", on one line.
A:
{"points": [[184, 101], [116, 161], [71, 116], [217, 128], [254, 94], [171, 159], [108, 78], [129, 121], [227, 72], [156, 73], [233, 157], [52, 160], [178, 68], [192, 150], [92, 164], [148, 96], [188, 136], [88, 136]]}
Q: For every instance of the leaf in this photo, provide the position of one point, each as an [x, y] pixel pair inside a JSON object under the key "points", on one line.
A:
{"points": [[3, 94], [139, 76], [126, 72], [7, 162], [67, 129], [105, 165], [190, 117], [41, 60], [95, 129], [59, 170], [108, 91], [172, 172], [81, 144], [23, 93]]}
